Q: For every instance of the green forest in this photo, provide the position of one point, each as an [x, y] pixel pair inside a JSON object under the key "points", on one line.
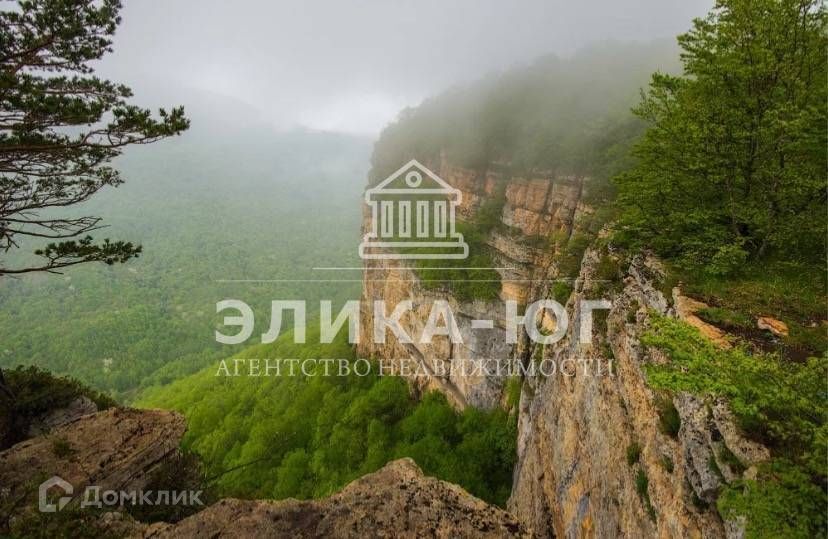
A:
{"points": [[205, 210], [303, 437]]}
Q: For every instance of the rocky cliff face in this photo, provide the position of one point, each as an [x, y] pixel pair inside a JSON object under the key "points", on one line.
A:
{"points": [[594, 459], [533, 210], [118, 449]]}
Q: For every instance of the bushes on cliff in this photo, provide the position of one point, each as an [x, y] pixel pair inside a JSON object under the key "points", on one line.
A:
{"points": [[473, 278], [781, 404], [34, 392]]}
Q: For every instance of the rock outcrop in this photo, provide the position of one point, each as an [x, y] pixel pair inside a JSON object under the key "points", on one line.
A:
{"points": [[116, 449], [594, 457], [686, 309], [534, 210], [574, 477], [777, 327], [120, 448], [396, 501], [54, 418]]}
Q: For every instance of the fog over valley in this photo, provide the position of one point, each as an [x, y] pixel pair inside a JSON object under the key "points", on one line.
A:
{"points": [[352, 66]]}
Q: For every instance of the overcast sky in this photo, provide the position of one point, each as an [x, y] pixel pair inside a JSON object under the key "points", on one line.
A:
{"points": [[352, 65]]}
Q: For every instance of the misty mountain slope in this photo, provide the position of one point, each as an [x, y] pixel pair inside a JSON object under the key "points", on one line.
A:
{"points": [[675, 435], [565, 115], [218, 203]]}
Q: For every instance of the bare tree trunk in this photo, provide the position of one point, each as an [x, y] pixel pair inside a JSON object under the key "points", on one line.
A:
{"points": [[4, 388], [7, 414]]}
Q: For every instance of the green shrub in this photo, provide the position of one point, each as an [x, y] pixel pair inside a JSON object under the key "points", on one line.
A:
{"points": [[607, 276], [561, 290], [667, 463], [713, 466], [778, 403], [632, 313], [782, 502], [513, 389], [569, 261], [37, 392], [642, 488], [633, 453], [732, 461], [667, 283], [606, 351], [669, 420], [725, 318], [61, 448]]}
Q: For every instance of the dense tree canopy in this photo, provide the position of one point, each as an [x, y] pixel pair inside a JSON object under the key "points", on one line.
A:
{"points": [[60, 126], [734, 163], [307, 436]]}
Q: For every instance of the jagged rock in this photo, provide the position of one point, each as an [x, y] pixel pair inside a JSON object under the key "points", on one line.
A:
{"points": [[115, 449], [572, 477], [735, 529], [396, 501], [777, 327], [54, 418], [747, 451], [699, 457], [536, 207]]}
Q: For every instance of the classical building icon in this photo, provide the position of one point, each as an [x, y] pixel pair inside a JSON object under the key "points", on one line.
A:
{"points": [[412, 217]]}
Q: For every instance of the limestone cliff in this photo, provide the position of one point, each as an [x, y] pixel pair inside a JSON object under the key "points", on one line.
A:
{"points": [[533, 210], [594, 459]]}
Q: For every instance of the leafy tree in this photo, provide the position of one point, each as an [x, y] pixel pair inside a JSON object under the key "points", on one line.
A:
{"points": [[733, 164], [60, 126]]}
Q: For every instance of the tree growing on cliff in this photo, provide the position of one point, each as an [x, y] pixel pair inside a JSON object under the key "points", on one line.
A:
{"points": [[733, 165], [61, 126]]}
